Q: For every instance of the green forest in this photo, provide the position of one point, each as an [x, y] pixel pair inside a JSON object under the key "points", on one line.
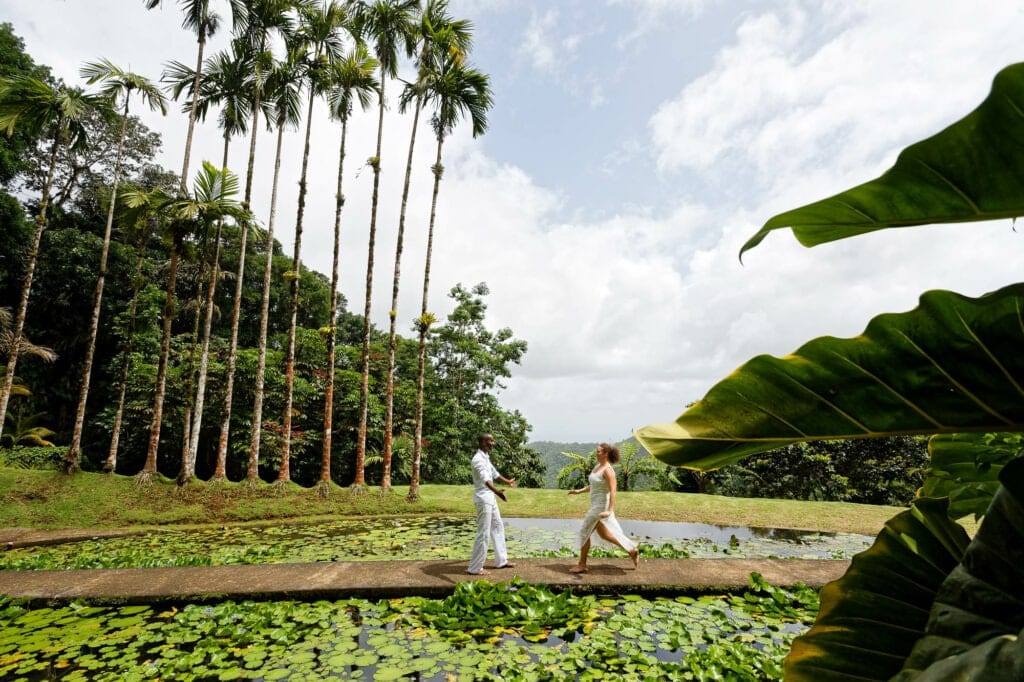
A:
{"points": [[150, 324]]}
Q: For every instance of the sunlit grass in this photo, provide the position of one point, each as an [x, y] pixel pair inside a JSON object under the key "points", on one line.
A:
{"points": [[45, 499]]}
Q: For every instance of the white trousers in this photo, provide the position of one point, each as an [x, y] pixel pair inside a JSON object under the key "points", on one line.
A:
{"points": [[489, 526]]}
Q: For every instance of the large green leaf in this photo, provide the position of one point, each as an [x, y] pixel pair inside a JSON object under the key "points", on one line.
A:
{"points": [[870, 619], [954, 364], [973, 631], [965, 467], [970, 171]]}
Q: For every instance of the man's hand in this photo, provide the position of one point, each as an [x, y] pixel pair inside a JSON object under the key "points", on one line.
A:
{"points": [[511, 483], [501, 493]]}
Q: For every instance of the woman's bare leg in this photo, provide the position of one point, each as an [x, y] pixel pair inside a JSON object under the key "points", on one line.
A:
{"points": [[581, 565], [634, 554]]}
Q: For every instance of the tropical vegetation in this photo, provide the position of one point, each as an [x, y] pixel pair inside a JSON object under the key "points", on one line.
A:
{"points": [[154, 299], [925, 602]]}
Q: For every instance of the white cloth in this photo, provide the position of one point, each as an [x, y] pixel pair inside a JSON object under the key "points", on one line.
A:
{"points": [[489, 526], [599, 492]]}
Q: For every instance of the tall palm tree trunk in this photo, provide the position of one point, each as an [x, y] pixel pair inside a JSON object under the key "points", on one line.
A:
{"points": [[385, 481], [359, 484], [339, 204], [26, 285], [252, 471], [72, 455], [149, 468], [115, 438], [193, 114], [424, 328], [220, 471], [188, 469], [289, 367]]}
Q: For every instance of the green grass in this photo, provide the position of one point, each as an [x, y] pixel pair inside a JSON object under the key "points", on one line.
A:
{"points": [[51, 500]]}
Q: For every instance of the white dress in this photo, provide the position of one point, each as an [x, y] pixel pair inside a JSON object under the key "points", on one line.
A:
{"points": [[599, 492]]}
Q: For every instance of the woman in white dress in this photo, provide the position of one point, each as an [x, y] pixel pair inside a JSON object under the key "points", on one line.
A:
{"points": [[600, 525]]}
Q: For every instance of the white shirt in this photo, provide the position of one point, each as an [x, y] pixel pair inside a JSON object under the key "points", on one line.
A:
{"points": [[483, 471]]}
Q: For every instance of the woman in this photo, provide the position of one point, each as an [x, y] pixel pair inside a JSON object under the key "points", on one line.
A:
{"points": [[600, 524]]}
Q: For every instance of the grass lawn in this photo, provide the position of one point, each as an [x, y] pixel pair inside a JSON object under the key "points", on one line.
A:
{"points": [[51, 500]]}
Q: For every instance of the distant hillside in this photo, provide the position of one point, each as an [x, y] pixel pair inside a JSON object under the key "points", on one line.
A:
{"points": [[554, 460]]}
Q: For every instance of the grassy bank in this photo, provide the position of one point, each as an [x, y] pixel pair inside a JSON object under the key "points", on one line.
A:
{"points": [[50, 500]]}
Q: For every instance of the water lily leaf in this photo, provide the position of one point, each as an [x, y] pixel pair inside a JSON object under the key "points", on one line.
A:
{"points": [[968, 172], [870, 619], [951, 365]]}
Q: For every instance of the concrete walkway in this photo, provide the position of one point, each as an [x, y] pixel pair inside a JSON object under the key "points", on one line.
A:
{"points": [[383, 579]]}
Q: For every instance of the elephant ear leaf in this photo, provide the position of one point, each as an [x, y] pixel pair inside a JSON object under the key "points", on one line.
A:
{"points": [[965, 467], [973, 631], [968, 172], [952, 365], [870, 619]]}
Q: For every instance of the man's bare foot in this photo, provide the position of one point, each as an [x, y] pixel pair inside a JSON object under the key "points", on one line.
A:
{"points": [[507, 564], [578, 569], [634, 556], [480, 573]]}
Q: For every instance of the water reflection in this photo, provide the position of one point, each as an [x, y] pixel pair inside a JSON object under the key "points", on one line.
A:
{"points": [[701, 539], [671, 530]]}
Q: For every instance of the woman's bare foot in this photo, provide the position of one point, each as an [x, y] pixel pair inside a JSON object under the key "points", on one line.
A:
{"points": [[634, 556], [578, 569]]}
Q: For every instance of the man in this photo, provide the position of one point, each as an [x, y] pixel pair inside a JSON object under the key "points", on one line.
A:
{"points": [[488, 517]]}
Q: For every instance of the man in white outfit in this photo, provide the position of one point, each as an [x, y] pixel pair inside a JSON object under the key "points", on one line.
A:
{"points": [[488, 517]]}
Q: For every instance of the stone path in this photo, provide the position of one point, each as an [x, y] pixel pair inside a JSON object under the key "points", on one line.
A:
{"points": [[383, 579]]}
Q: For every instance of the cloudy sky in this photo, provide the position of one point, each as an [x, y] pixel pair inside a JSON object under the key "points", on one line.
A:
{"points": [[634, 145]]}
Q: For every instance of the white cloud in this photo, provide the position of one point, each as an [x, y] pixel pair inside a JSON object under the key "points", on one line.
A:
{"points": [[630, 317]]}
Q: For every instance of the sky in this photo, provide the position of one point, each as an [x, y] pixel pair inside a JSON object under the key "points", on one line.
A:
{"points": [[633, 147]]}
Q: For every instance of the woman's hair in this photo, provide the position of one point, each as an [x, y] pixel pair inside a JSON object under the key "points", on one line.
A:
{"points": [[613, 452]]}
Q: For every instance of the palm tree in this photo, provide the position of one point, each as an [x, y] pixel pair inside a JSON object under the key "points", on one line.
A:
{"points": [[126, 353], [390, 25], [118, 84], [320, 39], [437, 31], [283, 88], [204, 23], [258, 21], [59, 112], [226, 81], [455, 90], [211, 202], [352, 79]]}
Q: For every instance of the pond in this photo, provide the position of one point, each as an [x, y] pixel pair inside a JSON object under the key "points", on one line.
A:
{"points": [[439, 538], [485, 631]]}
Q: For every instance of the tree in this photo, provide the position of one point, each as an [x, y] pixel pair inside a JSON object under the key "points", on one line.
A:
{"points": [[352, 80], [258, 21], [204, 23], [320, 42], [226, 82], [212, 201], [38, 107], [469, 363], [438, 32], [455, 90], [118, 85], [283, 84], [16, 146], [390, 26]]}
